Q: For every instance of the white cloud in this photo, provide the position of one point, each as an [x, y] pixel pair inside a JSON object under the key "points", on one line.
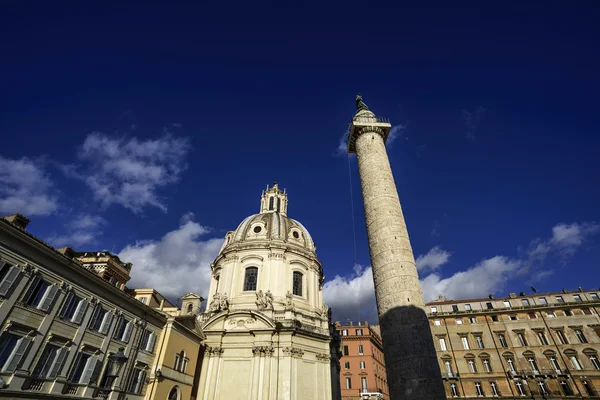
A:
{"points": [[130, 171], [176, 264], [353, 295], [25, 188], [435, 258], [82, 230]]}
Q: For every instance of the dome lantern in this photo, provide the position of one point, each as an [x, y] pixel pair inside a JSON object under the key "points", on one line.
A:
{"points": [[274, 200]]}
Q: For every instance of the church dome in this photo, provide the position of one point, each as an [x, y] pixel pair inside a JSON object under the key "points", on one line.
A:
{"points": [[271, 224]]}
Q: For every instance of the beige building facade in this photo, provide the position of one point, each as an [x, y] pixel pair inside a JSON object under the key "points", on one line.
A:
{"points": [[541, 346], [268, 332]]}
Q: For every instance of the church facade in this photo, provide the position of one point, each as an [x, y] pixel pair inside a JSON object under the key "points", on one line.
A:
{"points": [[268, 332]]}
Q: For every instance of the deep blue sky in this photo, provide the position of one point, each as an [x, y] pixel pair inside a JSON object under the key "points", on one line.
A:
{"points": [[497, 110]]}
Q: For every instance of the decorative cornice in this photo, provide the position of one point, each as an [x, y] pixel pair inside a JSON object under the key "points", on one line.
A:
{"points": [[293, 351], [324, 358], [214, 351]]}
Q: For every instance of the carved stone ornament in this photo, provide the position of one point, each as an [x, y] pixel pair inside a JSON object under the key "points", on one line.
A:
{"points": [[323, 312], [241, 322], [220, 302], [214, 351], [293, 351], [324, 358], [29, 269], [264, 300], [288, 301], [263, 351]]}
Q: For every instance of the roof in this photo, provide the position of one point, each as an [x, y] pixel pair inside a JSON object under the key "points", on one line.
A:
{"points": [[488, 299]]}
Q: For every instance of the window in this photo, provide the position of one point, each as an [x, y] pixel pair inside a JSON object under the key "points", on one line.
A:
{"points": [[595, 362], [513, 317], [344, 332], [50, 362], [472, 366], [575, 362], [532, 315], [550, 314], [586, 311], [362, 365], [543, 387], [459, 321], [532, 364], [175, 394], [271, 200], [594, 296], [86, 369], [580, 336], [465, 342], [502, 340], [8, 276], [345, 350], [554, 364], [494, 388], [190, 308], [297, 283], [143, 300], [347, 365], [137, 383], [494, 318], [468, 307], [561, 337], [147, 340], [123, 329], [363, 383], [525, 302], [543, 300], [73, 308], [520, 388], [40, 294], [348, 383], [101, 320], [542, 337], [588, 388], [479, 389], [454, 308], [454, 390], [13, 348], [511, 364], [278, 204], [568, 313], [577, 297], [507, 303], [522, 339], [559, 299], [479, 341], [448, 366], [359, 332], [437, 322], [181, 361], [250, 278], [487, 365], [473, 320], [566, 388], [434, 309], [489, 306], [443, 344], [360, 349]]}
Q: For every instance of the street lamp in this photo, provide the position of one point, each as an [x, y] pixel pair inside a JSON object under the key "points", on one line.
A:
{"points": [[115, 364]]}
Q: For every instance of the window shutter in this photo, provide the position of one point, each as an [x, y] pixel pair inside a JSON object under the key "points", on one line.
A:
{"points": [[13, 361], [127, 333], [10, 278], [88, 371], [105, 322], [79, 311], [31, 288], [140, 381], [150, 344], [48, 298], [58, 362]]}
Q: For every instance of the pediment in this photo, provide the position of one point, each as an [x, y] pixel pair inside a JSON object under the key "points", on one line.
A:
{"points": [[238, 321]]}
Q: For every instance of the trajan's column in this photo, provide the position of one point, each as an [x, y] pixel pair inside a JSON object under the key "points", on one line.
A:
{"points": [[412, 368]]}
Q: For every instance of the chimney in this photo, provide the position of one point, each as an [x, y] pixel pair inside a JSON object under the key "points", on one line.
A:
{"points": [[580, 289], [20, 221], [67, 252], [491, 296], [512, 295], [522, 294]]}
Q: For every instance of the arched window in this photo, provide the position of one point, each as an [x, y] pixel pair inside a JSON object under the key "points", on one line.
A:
{"points": [[174, 394], [190, 308], [271, 203], [297, 283], [278, 204], [250, 278]]}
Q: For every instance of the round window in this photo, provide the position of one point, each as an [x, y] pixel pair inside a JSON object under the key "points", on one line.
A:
{"points": [[257, 229], [296, 234]]}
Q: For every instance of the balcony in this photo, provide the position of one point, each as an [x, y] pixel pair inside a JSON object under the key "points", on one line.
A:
{"points": [[371, 394], [450, 375]]}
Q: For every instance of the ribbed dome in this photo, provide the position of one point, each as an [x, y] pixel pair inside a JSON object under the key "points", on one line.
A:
{"points": [[272, 226]]}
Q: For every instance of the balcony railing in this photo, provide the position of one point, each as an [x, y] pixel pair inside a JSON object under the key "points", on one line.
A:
{"points": [[450, 375], [36, 385]]}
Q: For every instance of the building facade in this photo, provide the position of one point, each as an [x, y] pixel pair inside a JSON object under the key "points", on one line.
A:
{"points": [[527, 346], [268, 332], [61, 318], [363, 374]]}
